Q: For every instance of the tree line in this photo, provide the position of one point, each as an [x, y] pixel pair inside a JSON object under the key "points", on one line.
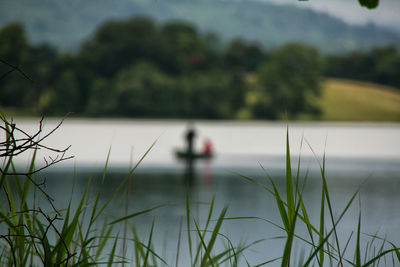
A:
{"points": [[379, 65], [139, 68]]}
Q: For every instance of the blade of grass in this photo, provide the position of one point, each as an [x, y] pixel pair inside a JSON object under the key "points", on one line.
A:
{"points": [[358, 249], [205, 228], [397, 251], [146, 257], [347, 243], [206, 251], [104, 233], [122, 184], [179, 243], [289, 181], [139, 252], [325, 239], [188, 226], [214, 234], [325, 193], [112, 254], [138, 213], [281, 205], [140, 249], [379, 256], [255, 181], [289, 240], [267, 262]]}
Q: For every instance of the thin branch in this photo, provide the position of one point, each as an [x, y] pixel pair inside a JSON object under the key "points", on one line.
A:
{"points": [[17, 142], [6, 238], [16, 68]]}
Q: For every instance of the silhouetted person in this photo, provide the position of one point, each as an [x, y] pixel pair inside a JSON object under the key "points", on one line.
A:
{"points": [[190, 136]]}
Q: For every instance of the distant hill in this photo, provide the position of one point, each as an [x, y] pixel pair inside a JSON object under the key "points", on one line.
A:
{"points": [[66, 23], [350, 100]]}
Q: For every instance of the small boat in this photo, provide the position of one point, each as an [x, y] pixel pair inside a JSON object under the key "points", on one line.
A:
{"points": [[185, 155]]}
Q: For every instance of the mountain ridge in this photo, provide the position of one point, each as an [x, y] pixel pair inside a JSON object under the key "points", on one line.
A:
{"points": [[66, 25]]}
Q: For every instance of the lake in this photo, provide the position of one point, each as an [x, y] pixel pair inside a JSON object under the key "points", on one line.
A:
{"points": [[364, 156]]}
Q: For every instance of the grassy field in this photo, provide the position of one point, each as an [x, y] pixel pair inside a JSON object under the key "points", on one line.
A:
{"points": [[347, 100]]}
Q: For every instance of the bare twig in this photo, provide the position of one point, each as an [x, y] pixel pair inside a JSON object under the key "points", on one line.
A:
{"points": [[7, 239], [41, 238], [14, 68], [17, 141], [14, 146]]}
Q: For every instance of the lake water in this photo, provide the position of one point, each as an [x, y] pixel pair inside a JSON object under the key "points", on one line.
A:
{"points": [[363, 156]]}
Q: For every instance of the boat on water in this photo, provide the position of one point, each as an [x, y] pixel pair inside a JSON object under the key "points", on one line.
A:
{"points": [[185, 155]]}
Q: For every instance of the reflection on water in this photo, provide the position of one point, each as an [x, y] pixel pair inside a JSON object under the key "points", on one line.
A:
{"points": [[379, 200]]}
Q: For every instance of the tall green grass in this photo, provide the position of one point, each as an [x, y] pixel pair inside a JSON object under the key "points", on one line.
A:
{"points": [[82, 234], [322, 244]]}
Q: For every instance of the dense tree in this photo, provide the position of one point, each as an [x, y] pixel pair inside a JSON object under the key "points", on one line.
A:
{"points": [[102, 99], [68, 86], [243, 55], [215, 94], [14, 45], [139, 68], [184, 47], [14, 50], [380, 65], [286, 83], [37, 61], [117, 44], [65, 95], [387, 68], [144, 91]]}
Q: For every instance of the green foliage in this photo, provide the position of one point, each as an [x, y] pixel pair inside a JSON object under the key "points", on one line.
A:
{"points": [[14, 45], [185, 49], [243, 55], [117, 44], [287, 82], [214, 95], [321, 240], [370, 4], [380, 65], [15, 50], [144, 91], [138, 68]]}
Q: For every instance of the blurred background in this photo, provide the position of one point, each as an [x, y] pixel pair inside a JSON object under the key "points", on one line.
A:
{"points": [[227, 60], [133, 73]]}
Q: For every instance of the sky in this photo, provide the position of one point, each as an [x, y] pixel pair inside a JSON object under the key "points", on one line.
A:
{"points": [[387, 13]]}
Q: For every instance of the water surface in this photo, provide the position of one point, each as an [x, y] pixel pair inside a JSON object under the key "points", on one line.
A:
{"points": [[363, 157]]}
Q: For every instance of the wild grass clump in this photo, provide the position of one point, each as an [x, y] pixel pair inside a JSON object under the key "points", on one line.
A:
{"points": [[82, 234], [322, 246], [33, 233]]}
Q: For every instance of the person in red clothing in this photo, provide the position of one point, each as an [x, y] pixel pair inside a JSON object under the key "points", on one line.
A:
{"points": [[208, 148], [208, 151]]}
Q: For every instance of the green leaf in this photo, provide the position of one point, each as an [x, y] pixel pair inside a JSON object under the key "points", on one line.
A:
{"points": [[289, 181], [358, 250], [215, 232], [370, 4], [138, 213]]}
